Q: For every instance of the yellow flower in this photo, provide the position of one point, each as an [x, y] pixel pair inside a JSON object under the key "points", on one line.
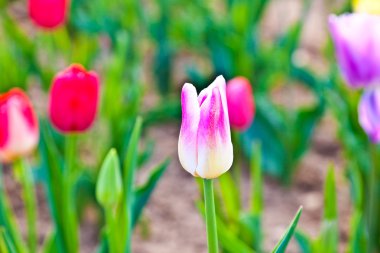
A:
{"points": [[366, 6]]}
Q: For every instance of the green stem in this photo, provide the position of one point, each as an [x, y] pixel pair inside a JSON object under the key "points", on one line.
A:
{"points": [[28, 192], [212, 235], [373, 205], [71, 230], [112, 236]]}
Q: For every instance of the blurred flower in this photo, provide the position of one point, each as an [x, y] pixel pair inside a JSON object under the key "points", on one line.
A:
{"points": [[74, 99], [357, 39], [366, 6], [204, 146], [48, 13], [19, 132], [240, 101], [369, 113]]}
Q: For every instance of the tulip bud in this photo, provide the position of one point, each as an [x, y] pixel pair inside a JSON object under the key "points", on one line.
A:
{"points": [[369, 113], [367, 6], [357, 52], [240, 101], [74, 99], [48, 13], [19, 132], [109, 187], [204, 145]]}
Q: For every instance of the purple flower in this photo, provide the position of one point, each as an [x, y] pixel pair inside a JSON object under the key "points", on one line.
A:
{"points": [[357, 44], [204, 145], [369, 113]]}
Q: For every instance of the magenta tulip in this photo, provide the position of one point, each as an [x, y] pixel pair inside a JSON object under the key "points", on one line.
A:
{"points": [[74, 99], [241, 104], [48, 13]]}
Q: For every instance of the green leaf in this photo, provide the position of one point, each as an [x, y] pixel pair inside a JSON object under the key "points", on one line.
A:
{"points": [[109, 187], [130, 162], [283, 243], [50, 243], [8, 220], [3, 245], [267, 128], [306, 121], [257, 181], [251, 230], [130, 165], [229, 241], [229, 196], [330, 234], [6, 244], [358, 241], [304, 242], [143, 193], [53, 169], [330, 210]]}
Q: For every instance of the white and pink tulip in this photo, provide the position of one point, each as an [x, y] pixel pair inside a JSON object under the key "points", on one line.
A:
{"points": [[204, 146], [19, 132]]}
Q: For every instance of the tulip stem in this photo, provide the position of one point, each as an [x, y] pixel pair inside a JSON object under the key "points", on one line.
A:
{"points": [[113, 244], [71, 232], [25, 176], [212, 235], [8, 221]]}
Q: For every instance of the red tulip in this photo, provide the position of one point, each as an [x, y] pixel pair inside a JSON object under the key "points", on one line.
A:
{"points": [[19, 133], [74, 98], [240, 101], [48, 13]]}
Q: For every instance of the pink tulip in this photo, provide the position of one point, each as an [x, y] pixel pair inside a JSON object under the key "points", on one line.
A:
{"points": [[356, 39], [48, 13], [204, 146], [19, 133], [74, 99], [240, 101]]}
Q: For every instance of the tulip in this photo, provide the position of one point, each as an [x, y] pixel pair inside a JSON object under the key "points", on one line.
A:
{"points": [[367, 6], [74, 99], [369, 113], [19, 132], [240, 101], [204, 146], [48, 14], [109, 187], [357, 38]]}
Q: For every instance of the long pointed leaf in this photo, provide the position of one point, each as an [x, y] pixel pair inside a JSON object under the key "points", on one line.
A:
{"points": [[283, 243], [143, 193]]}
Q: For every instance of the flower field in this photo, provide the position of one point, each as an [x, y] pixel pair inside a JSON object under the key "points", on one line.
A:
{"points": [[236, 126]]}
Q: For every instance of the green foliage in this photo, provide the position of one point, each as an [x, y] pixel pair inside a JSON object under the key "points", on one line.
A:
{"points": [[241, 230], [328, 239], [283, 243]]}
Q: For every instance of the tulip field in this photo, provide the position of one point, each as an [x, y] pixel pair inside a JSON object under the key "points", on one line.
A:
{"points": [[167, 126]]}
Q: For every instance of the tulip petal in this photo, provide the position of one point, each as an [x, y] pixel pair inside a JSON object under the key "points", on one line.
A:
{"points": [[369, 114], [187, 143], [357, 52], [215, 154]]}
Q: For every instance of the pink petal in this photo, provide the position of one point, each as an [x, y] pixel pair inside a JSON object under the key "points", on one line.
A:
{"points": [[215, 152], [187, 143]]}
